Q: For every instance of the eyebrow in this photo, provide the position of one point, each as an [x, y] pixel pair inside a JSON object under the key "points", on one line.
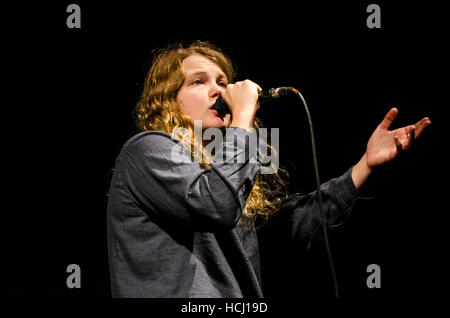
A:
{"points": [[221, 75]]}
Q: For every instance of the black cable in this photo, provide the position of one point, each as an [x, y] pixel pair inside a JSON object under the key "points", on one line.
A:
{"points": [[319, 192]]}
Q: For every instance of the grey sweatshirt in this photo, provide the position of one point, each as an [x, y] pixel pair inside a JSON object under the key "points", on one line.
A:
{"points": [[176, 229]]}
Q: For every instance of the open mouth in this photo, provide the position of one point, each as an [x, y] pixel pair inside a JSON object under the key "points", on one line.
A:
{"points": [[219, 108], [217, 114]]}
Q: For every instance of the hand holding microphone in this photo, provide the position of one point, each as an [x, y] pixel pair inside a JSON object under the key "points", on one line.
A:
{"points": [[222, 104], [241, 100]]}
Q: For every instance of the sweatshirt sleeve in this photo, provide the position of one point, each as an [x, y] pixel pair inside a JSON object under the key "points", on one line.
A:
{"points": [[299, 218], [164, 179]]}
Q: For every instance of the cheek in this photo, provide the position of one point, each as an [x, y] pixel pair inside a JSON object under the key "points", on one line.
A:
{"points": [[190, 103], [184, 102]]}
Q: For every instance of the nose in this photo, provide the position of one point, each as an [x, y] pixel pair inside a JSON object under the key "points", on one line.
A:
{"points": [[216, 90]]}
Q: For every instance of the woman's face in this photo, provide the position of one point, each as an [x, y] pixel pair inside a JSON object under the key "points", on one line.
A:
{"points": [[203, 84]]}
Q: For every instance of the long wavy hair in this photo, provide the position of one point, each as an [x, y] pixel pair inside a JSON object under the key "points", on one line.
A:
{"points": [[158, 109]]}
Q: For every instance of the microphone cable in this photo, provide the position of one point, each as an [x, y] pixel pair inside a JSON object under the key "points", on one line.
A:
{"points": [[319, 192]]}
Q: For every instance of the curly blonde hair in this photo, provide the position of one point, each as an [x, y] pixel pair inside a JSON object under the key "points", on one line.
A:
{"points": [[158, 109]]}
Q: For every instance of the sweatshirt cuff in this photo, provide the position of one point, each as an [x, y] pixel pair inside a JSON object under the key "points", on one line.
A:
{"points": [[348, 195], [347, 189]]}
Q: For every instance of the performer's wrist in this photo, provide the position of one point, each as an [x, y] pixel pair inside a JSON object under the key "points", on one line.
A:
{"points": [[361, 172]]}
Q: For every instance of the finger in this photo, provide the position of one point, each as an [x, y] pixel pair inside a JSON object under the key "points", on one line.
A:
{"points": [[230, 86], [389, 118], [259, 88], [421, 125], [248, 81]]}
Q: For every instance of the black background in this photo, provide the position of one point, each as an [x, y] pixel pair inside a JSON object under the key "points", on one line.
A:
{"points": [[71, 92]]}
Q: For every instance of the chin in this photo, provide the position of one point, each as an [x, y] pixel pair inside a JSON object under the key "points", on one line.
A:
{"points": [[215, 123]]}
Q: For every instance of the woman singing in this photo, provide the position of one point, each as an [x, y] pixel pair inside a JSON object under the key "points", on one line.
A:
{"points": [[188, 228]]}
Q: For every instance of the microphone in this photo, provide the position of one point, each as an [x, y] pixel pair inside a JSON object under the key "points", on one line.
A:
{"points": [[263, 97]]}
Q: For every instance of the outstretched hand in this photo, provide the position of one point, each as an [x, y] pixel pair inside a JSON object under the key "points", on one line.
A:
{"points": [[385, 145]]}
